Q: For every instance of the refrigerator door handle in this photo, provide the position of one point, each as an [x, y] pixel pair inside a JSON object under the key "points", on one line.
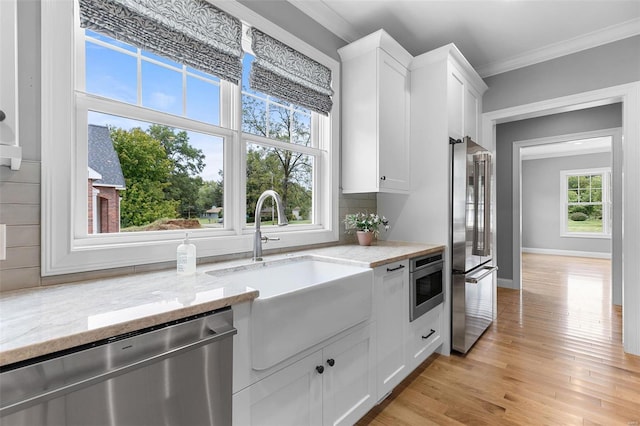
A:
{"points": [[486, 249], [482, 206], [476, 207], [488, 271]]}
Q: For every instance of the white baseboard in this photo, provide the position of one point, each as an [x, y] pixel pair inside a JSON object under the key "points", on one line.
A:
{"points": [[574, 253], [505, 283]]}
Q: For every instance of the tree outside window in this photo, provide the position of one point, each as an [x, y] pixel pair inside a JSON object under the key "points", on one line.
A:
{"points": [[281, 158]]}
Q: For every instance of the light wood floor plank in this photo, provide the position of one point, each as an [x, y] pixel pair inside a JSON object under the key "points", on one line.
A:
{"points": [[553, 356]]}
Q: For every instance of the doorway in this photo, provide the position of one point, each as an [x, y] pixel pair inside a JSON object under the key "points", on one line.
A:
{"points": [[556, 231], [629, 96]]}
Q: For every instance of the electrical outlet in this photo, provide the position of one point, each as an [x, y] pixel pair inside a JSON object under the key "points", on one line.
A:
{"points": [[3, 242]]}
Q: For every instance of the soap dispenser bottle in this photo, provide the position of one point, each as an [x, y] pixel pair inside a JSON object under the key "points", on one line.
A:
{"points": [[186, 257]]}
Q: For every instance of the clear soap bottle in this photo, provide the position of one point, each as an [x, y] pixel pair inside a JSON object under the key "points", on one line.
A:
{"points": [[186, 257]]}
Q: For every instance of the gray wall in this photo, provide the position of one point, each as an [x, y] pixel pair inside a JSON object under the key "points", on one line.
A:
{"points": [[604, 66], [541, 188], [20, 190], [605, 117], [290, 18]]}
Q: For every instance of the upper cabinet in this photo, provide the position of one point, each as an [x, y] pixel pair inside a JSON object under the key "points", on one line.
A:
{"points": [[375, 115], [464, 101], [10, 151]]}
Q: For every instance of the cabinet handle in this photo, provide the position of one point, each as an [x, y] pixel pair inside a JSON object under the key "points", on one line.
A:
{"points": [[320, 369], [2, 115], [396, 268], [429, 335], [331, 362], [383, 178]]}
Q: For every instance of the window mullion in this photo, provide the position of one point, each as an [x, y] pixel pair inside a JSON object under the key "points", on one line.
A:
{"points": [[139, 77]]}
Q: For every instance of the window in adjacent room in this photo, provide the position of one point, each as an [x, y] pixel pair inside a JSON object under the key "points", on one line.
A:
{"points": [[586, 202]]}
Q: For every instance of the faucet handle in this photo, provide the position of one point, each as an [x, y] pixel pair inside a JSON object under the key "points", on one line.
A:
{"points": [[265, 239]]}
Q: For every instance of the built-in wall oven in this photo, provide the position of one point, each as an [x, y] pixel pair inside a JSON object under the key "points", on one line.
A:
{"points": [[426, 284]]}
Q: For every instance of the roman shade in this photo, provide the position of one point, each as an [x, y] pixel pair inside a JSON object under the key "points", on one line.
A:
{"points": [[285, 73], [192, 32]]}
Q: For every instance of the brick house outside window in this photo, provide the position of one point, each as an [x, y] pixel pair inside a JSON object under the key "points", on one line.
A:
{"points": [[105, 181]]}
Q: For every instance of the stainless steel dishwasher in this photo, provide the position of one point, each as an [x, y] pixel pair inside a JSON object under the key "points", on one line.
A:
{"points": [[177, 373]]}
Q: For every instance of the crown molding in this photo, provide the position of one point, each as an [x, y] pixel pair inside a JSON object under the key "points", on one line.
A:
{"points": [[586, 41], [320, 12]]}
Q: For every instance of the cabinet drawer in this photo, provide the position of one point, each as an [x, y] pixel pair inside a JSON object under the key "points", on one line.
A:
{"points": [[424, 336]]}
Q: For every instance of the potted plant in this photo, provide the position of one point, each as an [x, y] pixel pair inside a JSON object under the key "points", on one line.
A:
{"points": [[366, 225]]}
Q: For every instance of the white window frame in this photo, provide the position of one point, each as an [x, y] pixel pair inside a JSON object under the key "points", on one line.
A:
{"points": [[67, 248], [606, 202]]}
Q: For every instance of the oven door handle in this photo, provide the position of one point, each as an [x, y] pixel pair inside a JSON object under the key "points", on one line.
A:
{"points": [[488, 271]]}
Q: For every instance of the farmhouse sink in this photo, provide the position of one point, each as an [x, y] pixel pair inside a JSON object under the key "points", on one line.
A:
{"points": [[303, 301]]}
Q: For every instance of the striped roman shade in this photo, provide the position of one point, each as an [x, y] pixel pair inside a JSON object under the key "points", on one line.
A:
{"points": [[192, 32], [287, 74]]}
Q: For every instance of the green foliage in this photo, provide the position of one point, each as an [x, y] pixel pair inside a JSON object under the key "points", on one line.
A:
{"points": [[286, 171], [146, 169], [210, 194], [578, 217], [579, 209], [187, 162], [368, 222]]}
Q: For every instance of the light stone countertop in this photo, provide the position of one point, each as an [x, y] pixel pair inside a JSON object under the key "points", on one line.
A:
{"points": [[41, 321]]}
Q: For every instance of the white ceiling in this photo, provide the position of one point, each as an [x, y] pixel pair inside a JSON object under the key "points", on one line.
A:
{"points": [[495, 36], [563, 149]]}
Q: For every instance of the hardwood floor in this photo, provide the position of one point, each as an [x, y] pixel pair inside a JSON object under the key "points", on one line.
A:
{"points": [[554, 356]]}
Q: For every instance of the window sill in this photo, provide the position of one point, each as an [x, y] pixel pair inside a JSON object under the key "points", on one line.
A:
{"points": [[586, 235]]}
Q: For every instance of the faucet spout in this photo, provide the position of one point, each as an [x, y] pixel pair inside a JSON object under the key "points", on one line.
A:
{"points": [[282, 220]]}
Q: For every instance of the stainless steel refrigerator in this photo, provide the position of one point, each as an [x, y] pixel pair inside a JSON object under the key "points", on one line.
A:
{"points": [[472, 271]]}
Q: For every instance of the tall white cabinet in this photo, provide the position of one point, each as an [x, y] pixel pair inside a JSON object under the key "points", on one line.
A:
{"points": [[375, 115], [446, 101]]}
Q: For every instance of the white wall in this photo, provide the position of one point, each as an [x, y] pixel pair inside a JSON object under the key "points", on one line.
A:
{"points": [[541, 224]]}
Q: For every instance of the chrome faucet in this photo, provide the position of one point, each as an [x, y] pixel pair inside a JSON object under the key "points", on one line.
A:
{"points": [[282, 220]]}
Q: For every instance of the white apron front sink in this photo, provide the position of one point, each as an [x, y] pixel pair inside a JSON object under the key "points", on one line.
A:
{"points": [[302, 302]]}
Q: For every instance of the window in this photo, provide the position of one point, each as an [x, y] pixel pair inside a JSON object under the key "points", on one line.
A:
{"points": [[586, 202], [194, 151], [280, 154], [174, 180]]}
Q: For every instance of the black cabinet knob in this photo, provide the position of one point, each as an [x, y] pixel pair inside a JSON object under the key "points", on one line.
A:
{"points": [[383, 178], [2, 115], [331, 362], [320, 369]]}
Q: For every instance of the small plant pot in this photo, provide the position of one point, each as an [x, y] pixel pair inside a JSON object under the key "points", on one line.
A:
{"points": [[364, 238]]}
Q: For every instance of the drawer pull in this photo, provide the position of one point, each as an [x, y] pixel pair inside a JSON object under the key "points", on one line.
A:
{"points": [[430, 334], [396, 268]]}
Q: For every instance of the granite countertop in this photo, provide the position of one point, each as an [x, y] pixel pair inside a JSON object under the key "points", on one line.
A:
{"points": [[45, 320]]}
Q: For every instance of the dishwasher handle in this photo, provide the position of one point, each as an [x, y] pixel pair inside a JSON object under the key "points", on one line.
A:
{"points": [[72, 387]]}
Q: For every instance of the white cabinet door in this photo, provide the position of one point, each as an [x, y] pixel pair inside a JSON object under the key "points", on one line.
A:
{"points": [[393, 125], [464, 106], [472, 105], [349, 378], [290, 397], [424, 337], [455, 103], [391, 317], [375, 116]]}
